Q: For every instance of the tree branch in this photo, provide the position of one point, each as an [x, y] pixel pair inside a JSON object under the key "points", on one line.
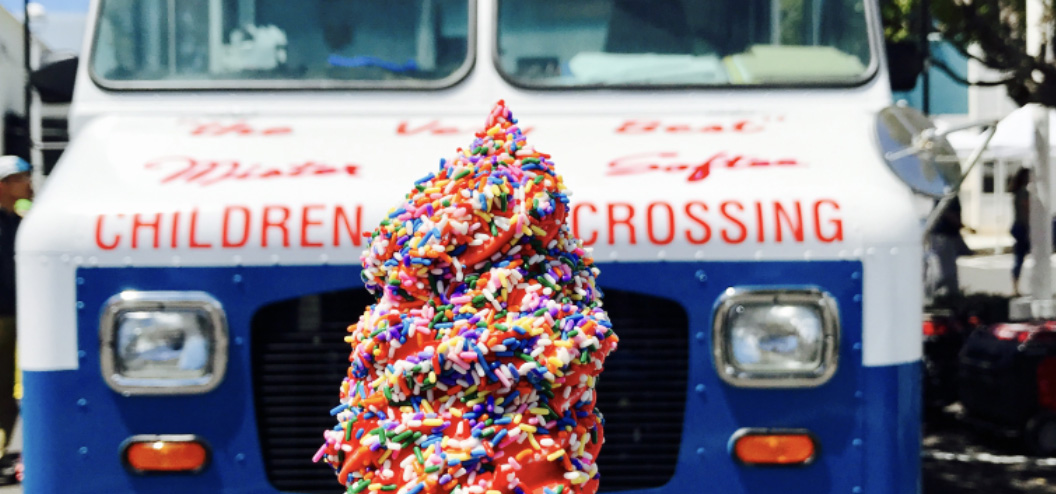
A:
{"points": [[946, 69]]}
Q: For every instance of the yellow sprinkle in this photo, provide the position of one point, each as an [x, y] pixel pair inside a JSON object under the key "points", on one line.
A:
{"points": [[432, 190], [582, 447], [432, 422], [406, 409], [474, 401], [536, 331], [538, 231], [527, 428], [581, 478], [384, 456], [564, 343], [374, 487], [517, 418], [590, 381], [539, 411], [492, 491], [554, 361], [531, 440], [555, 455], [471, 389], [428, 408], [432, 379], [456, 412], [442, 348]]}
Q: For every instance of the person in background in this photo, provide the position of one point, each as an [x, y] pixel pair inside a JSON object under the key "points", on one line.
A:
{"points": [[15, 186], [947, 244], [1020, 223]]}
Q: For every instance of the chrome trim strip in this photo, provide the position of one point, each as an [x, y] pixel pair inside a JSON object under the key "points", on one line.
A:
{"points": [[132, 300], [808, 296]]}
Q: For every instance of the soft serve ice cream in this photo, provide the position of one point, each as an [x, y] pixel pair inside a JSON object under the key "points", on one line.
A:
{"points": [[475, 370]]}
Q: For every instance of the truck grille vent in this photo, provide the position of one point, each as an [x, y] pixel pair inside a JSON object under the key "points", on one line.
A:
{"points": [[299, 359]]}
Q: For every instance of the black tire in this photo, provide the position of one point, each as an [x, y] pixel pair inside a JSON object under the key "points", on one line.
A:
{"points": [[1040, 434]]}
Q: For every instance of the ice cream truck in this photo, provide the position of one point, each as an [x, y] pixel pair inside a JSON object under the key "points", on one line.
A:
{"points": [[189, 269]]}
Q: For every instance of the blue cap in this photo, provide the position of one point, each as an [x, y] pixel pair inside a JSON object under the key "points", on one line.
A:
{"points": [[10, 165]]}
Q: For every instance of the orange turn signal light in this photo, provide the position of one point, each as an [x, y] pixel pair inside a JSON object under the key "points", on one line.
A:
{"points": [[774, 448], [165, 454]]}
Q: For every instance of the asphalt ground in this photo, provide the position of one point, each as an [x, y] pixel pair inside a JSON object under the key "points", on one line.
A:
{"points": [[960, 457]]}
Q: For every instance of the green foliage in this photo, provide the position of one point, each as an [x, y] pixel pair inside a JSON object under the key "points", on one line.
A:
{"points": [[899, 19], [993, 32]]}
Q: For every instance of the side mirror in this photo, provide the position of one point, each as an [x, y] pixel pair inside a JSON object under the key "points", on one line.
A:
{"points": [[916, 152], [54, 82], [905, 62]]}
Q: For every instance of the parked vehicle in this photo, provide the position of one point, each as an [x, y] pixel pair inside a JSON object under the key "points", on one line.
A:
{"points": [[1008, 380], [944, 334], [188, 271]]}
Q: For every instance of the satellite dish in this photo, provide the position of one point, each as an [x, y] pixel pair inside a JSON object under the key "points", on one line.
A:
{"points": [[916, 152]]}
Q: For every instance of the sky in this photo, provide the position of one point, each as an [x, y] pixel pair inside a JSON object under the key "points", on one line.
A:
{"points": [[63, 29], [15, 6]]}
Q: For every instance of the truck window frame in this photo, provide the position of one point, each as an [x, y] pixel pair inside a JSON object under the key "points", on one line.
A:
{"points": [[871, 71], [293, 85]]}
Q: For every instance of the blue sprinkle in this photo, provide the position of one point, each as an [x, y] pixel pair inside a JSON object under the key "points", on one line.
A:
{"points": [[498, 437], [338, 409]]}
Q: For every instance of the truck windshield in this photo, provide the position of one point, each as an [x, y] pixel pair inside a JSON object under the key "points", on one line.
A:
{"points": [[196, 43], [683, 42]]}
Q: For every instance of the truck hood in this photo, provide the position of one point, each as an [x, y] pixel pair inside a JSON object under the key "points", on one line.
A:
{"points": [[296, 190]]}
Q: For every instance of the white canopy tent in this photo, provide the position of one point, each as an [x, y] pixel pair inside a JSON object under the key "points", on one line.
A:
{"points": [[986, 204], [1014, 138]]}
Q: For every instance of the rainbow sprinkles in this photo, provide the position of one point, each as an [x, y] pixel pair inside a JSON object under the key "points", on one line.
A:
{"points": [[475, 370]]}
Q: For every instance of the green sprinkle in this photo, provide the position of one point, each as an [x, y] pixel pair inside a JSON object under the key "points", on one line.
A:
{"points": [[418, 455], [464, 171], [388, 487], [432, 469]]}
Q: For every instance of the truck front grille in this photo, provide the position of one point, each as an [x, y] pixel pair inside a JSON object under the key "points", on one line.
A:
{"points": [[300, 357]]}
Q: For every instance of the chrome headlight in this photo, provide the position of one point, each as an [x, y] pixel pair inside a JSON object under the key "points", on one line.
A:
{"points": [[163, 342], [776, 338]]}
